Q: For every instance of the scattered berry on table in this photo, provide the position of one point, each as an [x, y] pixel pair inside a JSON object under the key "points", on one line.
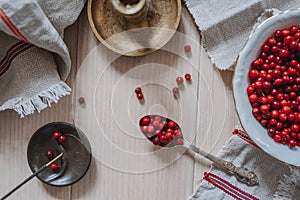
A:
{"points": [[187, 48], [175, 90], [179, 80], [81, 100], [140, 96], [188, 76]]}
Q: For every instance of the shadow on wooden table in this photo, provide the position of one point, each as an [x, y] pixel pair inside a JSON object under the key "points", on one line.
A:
{"points": [[227, 78]]}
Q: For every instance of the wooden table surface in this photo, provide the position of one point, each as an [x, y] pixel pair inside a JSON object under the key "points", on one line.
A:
{"points": [[124, 164]]}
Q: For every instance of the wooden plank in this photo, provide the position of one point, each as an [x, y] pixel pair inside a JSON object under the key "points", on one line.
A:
{"points": [[126, 166]]}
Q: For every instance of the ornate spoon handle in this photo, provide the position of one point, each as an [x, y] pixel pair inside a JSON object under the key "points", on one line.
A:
{"points": [[242, 174]]}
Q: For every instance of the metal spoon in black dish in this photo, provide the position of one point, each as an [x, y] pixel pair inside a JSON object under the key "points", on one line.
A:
{"points": [[165, 132]]}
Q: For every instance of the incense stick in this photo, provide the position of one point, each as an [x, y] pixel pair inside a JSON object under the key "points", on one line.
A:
{"points": [[32, 175]]}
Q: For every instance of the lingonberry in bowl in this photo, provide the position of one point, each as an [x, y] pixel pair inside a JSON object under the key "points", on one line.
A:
{"points": [[54, 166], [266, 86], [140, 96], [62, 139], [56, 135], [49, 154]]}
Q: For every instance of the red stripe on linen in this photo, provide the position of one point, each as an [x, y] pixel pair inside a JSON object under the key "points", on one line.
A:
{"points": [[228, 188], [244, 136], [10, 52], [11, 26], [222, 188], [7, 60]]}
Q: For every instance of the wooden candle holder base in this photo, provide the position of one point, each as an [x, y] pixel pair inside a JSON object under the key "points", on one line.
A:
{"points": [[134, 29]]}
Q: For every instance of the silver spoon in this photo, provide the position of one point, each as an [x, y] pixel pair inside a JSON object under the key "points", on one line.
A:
{"points": [[156, 128]]}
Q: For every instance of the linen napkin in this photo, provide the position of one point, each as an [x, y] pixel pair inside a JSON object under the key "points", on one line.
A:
{"points": [[276, 179], [34, 60], [226, 25]]}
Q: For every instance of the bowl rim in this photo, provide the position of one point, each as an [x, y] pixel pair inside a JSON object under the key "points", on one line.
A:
{"points": [[234, 76]]}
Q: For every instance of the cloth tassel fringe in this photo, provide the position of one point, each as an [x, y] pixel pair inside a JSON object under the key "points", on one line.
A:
{"points": [[38, 102]]}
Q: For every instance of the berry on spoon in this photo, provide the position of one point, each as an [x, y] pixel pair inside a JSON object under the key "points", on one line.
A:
{"points": [[170, 135]]}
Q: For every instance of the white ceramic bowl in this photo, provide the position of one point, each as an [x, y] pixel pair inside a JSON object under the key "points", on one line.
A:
{"points": [[240, 82]]}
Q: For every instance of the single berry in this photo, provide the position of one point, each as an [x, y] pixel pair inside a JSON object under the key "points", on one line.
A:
{"points": [[49, 154], [163, 138], [250, 89], [171, 124], [292, 143], [157, 118], [150, 129], [277, 138], [253, 98], [175, 90], [187, 48], [155, 141], [56, 135], [140, 96], [138, 90], [295, 127], [146, 120], [179, 80], [188, 77], [283, 53], [144, 129], [62, 139], [81, 100], [179, 134], [271, 41], [54, 166], [169, 135], [179, 141], [156, 124]]}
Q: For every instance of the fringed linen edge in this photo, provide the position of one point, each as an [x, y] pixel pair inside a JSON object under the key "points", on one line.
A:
{"points": [[39, 102]]}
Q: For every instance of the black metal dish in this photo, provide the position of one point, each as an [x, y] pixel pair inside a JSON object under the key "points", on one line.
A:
{"points": [[76, 153]]}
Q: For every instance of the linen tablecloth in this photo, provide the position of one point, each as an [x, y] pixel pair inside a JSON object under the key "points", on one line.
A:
{"points": [[277, 180], [34, 60], [225, 25]]}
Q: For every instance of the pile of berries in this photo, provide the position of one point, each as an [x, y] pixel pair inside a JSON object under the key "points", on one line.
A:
{"points": [[161, 131], [274, 88]]}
